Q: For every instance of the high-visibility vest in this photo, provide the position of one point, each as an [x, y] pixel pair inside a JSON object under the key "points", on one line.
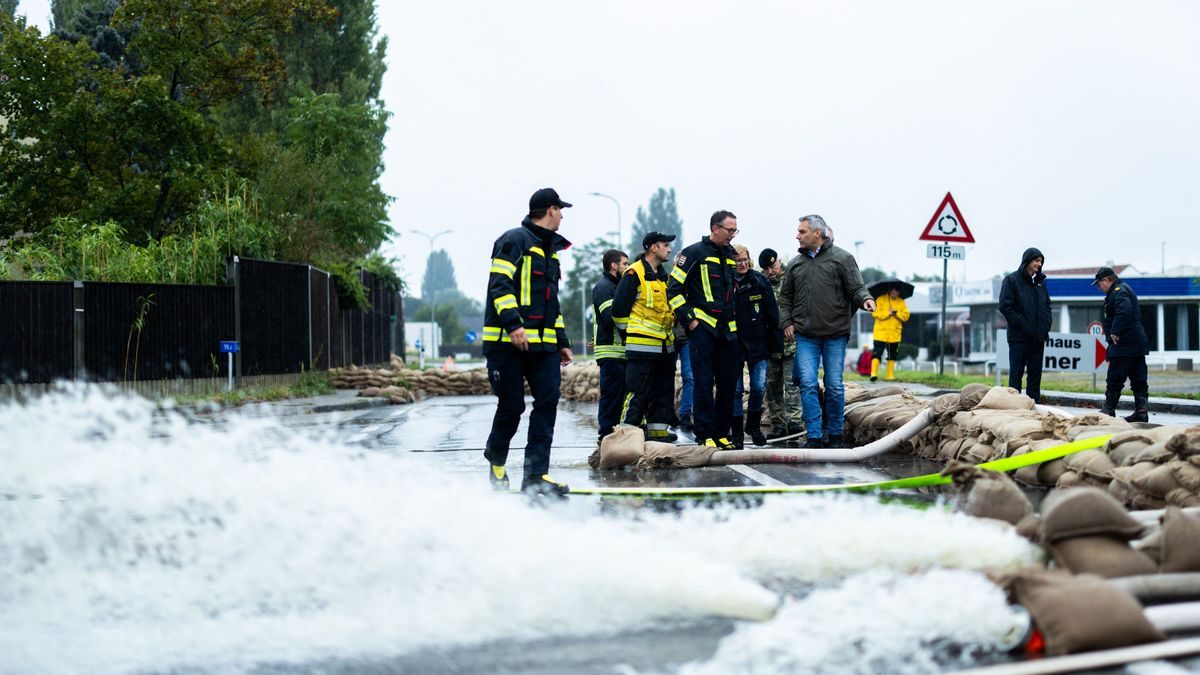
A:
{"points": [[649, 323]]}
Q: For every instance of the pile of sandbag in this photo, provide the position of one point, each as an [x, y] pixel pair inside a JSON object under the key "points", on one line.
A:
{"points": [[581, 382], [1153, 468], [402, 385]]}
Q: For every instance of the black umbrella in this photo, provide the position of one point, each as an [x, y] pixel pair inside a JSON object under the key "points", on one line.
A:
{"points": [[882, 287]]}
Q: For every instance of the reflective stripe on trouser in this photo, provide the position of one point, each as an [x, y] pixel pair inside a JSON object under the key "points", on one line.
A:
{"points": [[508, 370], [612, 394], [715, 363], [650, 393], [783, 397]]}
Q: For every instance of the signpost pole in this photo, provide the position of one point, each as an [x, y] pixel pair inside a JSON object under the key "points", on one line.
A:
{"points": [[229, 385], [942, 332]]}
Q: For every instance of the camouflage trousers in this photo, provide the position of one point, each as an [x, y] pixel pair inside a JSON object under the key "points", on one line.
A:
{"points": [[783, 398]]}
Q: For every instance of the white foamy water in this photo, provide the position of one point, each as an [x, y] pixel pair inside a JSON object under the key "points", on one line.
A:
{"points": [[136, 540]]}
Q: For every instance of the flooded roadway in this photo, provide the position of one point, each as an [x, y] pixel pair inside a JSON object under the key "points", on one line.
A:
{"points": [[142, 541]]}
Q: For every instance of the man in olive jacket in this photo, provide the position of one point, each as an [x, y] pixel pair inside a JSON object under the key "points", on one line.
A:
{"points": [[1025, 304], [821, 290]]}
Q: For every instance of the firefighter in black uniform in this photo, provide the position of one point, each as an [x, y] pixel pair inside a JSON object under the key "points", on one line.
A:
{"points": [[702, 295], [525, 340], [1127, 346], [641, 310], [610, 347]]}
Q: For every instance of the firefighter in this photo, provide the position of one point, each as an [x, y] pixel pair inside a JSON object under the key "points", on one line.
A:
{"points": [[640, 309], [525, 340], [701, 293], [610, 348]]}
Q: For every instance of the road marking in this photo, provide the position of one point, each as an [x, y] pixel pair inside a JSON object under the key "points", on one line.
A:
{"points": [[755, 475], [357, 437], [369, 430]]}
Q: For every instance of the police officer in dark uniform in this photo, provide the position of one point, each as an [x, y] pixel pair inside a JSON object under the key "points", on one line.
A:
{"points": [[1127, 346], [702, 295], [610, 348], [525, 340]]}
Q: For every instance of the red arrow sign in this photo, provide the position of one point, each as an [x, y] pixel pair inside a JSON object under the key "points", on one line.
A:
{"points": [[1101, 352]]}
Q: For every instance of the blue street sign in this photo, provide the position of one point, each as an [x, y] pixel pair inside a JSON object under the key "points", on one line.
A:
{"points": [[417, 344], [472, 336], [230, 346]]}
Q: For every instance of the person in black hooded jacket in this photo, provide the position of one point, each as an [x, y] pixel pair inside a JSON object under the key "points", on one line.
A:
{"points": [[1025, 304]]}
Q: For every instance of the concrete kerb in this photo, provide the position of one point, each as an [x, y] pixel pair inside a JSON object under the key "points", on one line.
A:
{"points": [[1158, 404]]}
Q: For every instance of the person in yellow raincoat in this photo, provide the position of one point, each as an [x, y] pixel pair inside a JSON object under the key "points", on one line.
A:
{"points": [[890, 314]]}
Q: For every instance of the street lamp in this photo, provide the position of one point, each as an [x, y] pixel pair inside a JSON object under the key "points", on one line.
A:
{"points": [[614, 200], [433, 292]]}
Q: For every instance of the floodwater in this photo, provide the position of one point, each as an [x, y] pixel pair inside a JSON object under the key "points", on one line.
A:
{"points": [[135, 539]]}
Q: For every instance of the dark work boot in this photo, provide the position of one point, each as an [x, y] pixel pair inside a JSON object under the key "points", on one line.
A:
{"points": [[685, 423], [1141, 409], [1111, 400], [738, 435], [753, 420], [814, 443]]}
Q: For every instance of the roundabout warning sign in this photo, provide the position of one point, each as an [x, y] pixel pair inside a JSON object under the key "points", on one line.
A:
{"points": [[947, 224]]}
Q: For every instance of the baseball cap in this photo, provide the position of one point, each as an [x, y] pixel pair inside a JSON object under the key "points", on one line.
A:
{"points": [[767, 258], [1103, 273], [545, 198], [655, 237]]}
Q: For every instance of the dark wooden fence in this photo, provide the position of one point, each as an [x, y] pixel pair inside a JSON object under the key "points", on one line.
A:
{"points": [[286, 317]]}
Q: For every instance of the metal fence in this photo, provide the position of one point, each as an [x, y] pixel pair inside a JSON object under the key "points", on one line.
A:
{"points": [[286, 318]]}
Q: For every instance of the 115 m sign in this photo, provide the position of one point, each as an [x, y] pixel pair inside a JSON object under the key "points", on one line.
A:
{"points": [[945, 251]]}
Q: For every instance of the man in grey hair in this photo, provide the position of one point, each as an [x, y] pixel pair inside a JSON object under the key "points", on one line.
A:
{"points": [[821, 290]]}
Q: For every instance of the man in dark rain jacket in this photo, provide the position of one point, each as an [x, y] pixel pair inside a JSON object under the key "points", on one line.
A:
{"points": [[1025, 304], [525, 340], [1127, 346], [701, 293]]}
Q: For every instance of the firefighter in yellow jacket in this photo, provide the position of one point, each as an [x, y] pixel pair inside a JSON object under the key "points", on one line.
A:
{"points": [[890, 314], [641, 310]]}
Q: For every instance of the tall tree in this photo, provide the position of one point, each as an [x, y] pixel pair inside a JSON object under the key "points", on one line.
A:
{"points": [[439, 282], [340, 56], [63, 12], [8, 8], [660, 215]]}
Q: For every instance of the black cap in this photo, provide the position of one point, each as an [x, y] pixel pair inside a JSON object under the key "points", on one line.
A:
{"points": [[655, 237], [767, 258], [545, 198], [1103, 273]]}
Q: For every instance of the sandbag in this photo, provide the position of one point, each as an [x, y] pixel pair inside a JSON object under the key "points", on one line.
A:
{"points": [[1180, 541], [1183, 498], [1156, 452], [1004, 398], [1048, 473], [1187, 474], [1091, 463], [659, 455], [1185, 443], [1081, 613], [972, 394], [1101, 555], [1085, 511], [988, 494], [1070, 479], [1151, 546], [1157, 482], [1122, 447], [622, 447]]}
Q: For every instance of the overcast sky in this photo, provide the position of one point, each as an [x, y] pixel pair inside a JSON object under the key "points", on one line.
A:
{"points": [[1071, 126]]}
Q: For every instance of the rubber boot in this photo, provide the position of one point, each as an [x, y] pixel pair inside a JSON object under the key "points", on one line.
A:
{"points": [[739, 435], [753, 420], [891, 371], [1141, 409], [1111, 400], [874, 369]]}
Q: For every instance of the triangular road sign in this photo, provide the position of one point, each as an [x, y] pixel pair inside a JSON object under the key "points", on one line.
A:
{"points": [[947, 224]]}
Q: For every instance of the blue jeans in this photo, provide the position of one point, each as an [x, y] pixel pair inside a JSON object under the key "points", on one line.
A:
{"points": [[758, 389], [810, 352], [685, 373]]}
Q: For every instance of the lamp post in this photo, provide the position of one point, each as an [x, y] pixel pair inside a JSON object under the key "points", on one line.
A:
{"points": [[858, 314], [433, 292], [614, 200]]}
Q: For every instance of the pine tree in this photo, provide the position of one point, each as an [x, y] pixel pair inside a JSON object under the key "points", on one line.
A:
{"points": [[660, 215]]}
